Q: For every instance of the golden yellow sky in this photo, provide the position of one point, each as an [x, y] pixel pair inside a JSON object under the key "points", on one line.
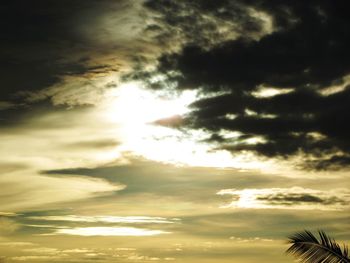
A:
{"points": [[170, 131]]}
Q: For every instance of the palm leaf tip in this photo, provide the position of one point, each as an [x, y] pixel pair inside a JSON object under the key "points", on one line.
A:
{"points": [[310, 249]]}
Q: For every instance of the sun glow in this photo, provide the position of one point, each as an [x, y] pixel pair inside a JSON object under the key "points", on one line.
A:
{"points": [[135, 110], [134, 105]]}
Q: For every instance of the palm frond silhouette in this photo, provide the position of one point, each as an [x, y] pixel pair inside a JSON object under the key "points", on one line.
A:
{"points": [[310, 249]]}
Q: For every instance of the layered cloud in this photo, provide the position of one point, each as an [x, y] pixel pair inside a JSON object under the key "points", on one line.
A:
{"points": [[134, 226], [288, 198]]}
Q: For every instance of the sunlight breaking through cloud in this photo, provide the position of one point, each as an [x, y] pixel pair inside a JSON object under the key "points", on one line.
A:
{"points": [[171, 130], [134, 109]]}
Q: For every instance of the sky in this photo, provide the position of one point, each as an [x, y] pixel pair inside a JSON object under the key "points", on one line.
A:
{"points": [[172, 130]]}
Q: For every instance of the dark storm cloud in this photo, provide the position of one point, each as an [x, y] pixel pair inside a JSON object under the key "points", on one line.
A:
{"points": [[307, 52]]}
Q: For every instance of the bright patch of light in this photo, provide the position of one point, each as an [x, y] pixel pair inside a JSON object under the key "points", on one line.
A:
{"points": [[250, 112], [255, 140], [246, 199], [316, 136], [336, 88], [110, 231], [265, 92], [133, 105], [230, 134], [231, 116]]}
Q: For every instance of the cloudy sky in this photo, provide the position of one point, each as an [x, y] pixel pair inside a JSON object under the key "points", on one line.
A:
{"points": [[172, 130]]}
